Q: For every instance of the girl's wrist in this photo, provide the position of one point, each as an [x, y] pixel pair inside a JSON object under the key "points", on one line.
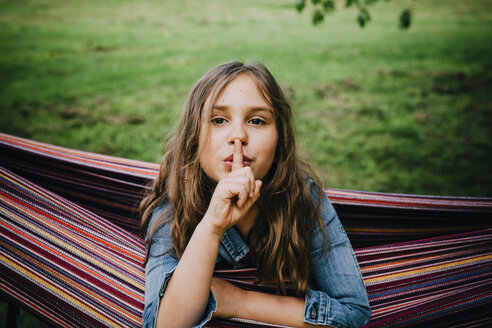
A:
{"points": [[231, 300], [243, 311], [209, 228]]}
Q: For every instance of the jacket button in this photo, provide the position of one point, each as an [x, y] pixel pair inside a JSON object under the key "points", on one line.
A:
{"points": [[314, 311]]}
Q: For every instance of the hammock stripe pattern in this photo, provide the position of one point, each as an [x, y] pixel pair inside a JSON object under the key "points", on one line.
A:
{"points": [[70, 254], [67, 255]]}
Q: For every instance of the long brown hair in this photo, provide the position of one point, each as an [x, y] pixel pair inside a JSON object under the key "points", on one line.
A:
{"points": [[280, 238]]}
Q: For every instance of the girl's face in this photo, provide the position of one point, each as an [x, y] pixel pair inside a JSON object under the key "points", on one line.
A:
{"points": [[240, 112]]}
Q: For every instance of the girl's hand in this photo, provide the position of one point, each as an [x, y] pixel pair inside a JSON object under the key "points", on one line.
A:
{"points": [[234, 194]]}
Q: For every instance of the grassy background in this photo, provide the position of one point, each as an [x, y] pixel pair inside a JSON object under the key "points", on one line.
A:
{"points": [[376, 109]]}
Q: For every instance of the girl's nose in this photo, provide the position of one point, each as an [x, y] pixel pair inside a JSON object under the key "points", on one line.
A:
{"points": [[238, 131]]}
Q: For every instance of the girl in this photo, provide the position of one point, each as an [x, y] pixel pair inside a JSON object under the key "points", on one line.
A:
{"points": [[232, 193]]}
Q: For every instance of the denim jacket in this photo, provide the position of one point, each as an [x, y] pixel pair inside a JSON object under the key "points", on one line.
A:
{"points": [[340, 298]]}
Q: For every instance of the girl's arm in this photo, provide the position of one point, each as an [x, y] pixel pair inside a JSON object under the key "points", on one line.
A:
{"points": [[233, 302], [341, 297], [186, 296], [187, 293]]}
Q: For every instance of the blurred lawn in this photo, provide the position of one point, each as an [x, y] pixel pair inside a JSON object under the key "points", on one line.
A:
{"points": [[376, 109]]}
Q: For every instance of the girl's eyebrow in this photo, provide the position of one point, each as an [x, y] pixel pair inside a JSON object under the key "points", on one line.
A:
{"points": [[251, 109]]}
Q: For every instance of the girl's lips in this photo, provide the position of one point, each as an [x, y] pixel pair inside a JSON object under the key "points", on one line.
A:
{"points": [[246, 161], [229, 163], [230, 158]]}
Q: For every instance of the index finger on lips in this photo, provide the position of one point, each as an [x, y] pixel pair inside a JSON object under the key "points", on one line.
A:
{"points": [[237, 156]]}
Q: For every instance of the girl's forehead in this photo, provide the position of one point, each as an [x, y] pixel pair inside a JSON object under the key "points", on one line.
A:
{"points": [[233, 86]]}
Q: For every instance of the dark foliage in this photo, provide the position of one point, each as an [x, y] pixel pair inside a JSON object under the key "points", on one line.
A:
{"points": [[323, 7]]}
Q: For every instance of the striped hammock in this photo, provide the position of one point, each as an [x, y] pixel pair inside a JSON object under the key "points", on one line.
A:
{"points": [[71, 256]]}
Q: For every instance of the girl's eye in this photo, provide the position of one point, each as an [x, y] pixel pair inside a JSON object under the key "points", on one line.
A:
{"points": [[257, 121], [218, 120]]}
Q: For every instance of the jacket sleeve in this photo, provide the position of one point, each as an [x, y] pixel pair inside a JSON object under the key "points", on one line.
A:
{"points": [[159, 270], [340, 299]]}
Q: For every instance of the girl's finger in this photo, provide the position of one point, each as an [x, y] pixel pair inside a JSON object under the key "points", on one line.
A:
{"points": [[252, 183], [255, 193], [236, 188], [237, 156], [247, 173], [243, 196]]}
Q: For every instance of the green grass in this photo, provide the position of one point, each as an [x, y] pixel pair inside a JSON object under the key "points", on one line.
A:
{"points": [[376, 109]]}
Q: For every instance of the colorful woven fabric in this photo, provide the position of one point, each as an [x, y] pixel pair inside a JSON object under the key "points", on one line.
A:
{"points": [[109, 186], [426, 261], [412, 282], [64, 262]]}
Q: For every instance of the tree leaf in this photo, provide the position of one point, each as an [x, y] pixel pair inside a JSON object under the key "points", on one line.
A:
{"points": [[318, 17], [328, 5], [363, 17], [349, 3], [405, 19], [300, 4]]}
